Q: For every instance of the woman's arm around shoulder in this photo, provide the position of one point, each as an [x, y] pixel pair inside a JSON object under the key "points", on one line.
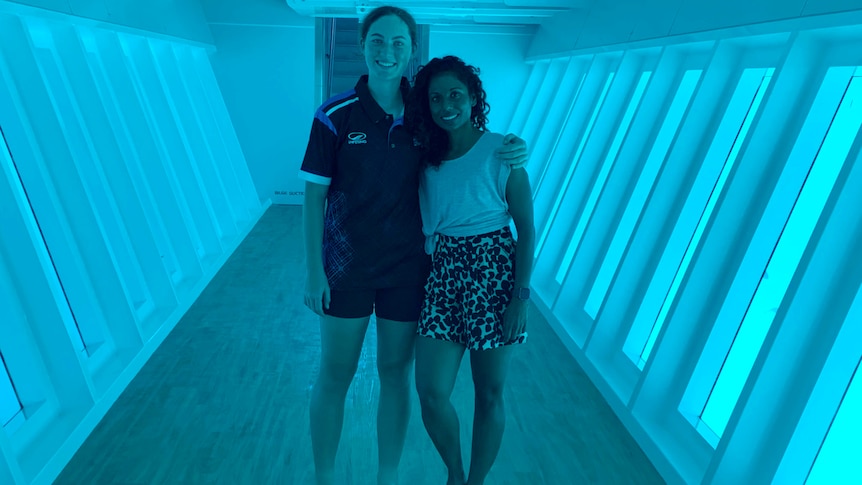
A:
{"points": [[513, 151]]}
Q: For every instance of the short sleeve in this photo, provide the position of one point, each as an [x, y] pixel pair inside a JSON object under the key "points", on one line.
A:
{"points": [[318, 166]]}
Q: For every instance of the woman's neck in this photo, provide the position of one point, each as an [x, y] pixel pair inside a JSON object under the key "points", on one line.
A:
{"points": [[462, 140], [387, 93]]}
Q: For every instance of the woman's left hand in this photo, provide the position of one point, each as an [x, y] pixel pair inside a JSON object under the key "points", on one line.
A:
{"points": [[514, 320], [513, 152]]}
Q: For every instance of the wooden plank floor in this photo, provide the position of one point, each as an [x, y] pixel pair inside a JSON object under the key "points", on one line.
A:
{"points": [[224, 400]]}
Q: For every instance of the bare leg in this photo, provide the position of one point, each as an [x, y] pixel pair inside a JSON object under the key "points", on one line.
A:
{"points": [[437, 363], [341, 343], [395, 341], [489, 376]]}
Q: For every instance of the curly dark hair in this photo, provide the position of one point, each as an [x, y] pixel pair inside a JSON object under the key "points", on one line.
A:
{"points": [[430, 138]]}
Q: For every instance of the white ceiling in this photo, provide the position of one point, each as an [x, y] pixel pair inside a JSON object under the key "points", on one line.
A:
{"points": [[446, 12]]}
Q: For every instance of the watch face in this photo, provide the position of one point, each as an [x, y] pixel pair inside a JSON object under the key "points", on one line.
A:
{"points": [[524, 294]]}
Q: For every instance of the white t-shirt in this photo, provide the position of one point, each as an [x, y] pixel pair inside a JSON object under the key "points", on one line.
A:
{"points": [[465, 196]]}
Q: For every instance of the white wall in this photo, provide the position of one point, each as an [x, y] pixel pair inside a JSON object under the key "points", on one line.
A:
{"points": [[183, 19], [264, 63], [500, 57]]}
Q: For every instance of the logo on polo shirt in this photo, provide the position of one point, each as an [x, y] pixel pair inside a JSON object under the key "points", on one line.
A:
{"points": [[356, 138]]}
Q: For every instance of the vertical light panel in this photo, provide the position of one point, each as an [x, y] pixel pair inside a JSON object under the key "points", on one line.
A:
{"points": [[573, 164], [747, 99], [123, 190], [10, 405], [119, 207], [838, 459], [200, 156], [824, 435], [14, 176], [785, 259], [48, 368], [602, 177], [546, 149], [129, 156], [547, 95], [66, 194], [525, 106], [90, 172], [634, 208], [188, 62], [233, 151], [168, 142], [126, 107]]}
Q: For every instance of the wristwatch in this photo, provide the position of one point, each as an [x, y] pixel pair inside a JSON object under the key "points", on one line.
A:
{"points": [[523, 294]]}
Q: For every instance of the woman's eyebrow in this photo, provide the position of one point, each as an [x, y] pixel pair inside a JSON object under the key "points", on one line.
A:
{"points": [[400, 37]]}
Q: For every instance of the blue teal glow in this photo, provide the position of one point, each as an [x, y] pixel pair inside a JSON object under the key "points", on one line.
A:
{"points": [[568, 179], [599, 185], [838, 458], [10, 168], [93, 185], [64, 99], [553, 147], [636, 204], [141, 63], [9, 404], [106, 93], [549, 87], [707, 215], [785, 259]]}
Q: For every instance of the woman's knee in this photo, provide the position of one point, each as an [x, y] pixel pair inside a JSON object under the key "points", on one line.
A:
{"points": [[336, 375], [395, 374], [431, 396], [489, 395]]}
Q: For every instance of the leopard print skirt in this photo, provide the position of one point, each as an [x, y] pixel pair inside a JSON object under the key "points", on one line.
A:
{"points": [[469, 289]]}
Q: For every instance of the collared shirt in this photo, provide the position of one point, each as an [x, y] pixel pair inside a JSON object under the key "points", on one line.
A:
{"points": [[372, 235]]}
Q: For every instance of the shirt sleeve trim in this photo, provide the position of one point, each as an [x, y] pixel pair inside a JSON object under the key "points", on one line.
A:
{"points": [[314, 178], [324, 118], [324, 115]]}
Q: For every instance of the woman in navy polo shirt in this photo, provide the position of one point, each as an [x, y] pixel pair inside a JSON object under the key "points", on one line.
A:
{"points": [[364, 242]]}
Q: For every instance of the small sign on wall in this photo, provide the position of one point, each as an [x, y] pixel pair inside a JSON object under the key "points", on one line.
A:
{"points": [[288, 197]]}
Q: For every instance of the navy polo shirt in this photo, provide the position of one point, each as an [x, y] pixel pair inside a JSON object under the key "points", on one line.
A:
{"points": [[372, 232]]}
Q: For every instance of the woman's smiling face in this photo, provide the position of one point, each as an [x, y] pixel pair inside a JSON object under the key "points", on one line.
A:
{"points": [[387, 48], [450, 102]]}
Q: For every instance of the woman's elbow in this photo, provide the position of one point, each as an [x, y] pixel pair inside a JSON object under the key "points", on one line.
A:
{"points": [[526, 231]]}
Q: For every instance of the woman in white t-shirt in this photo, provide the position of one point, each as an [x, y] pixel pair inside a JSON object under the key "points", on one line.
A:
{"points": [[478, 291]]}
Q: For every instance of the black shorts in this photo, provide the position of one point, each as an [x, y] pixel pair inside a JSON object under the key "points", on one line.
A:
{"points": [[399, 304]]}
